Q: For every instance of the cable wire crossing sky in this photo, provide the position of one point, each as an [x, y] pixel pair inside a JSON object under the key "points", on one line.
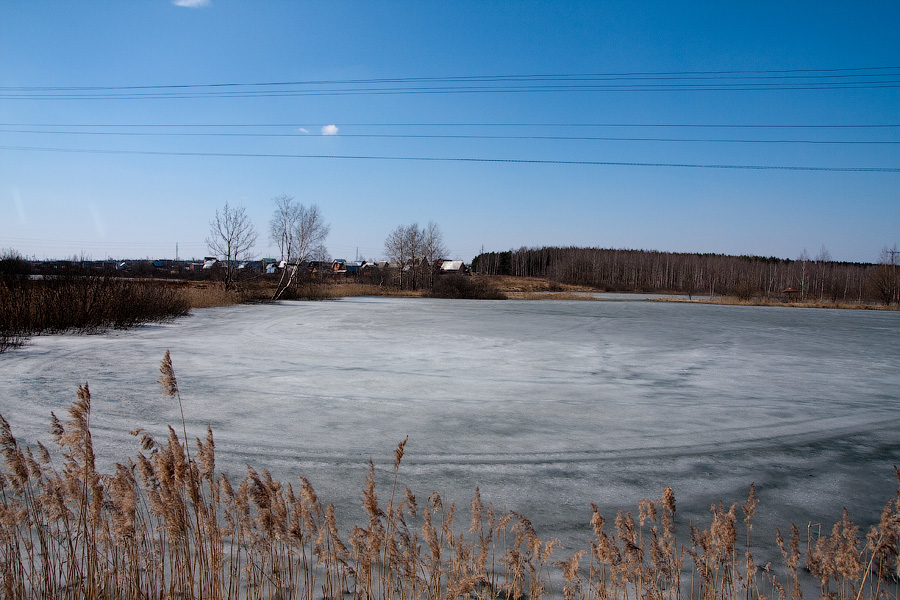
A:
{"points": [[769, 129]]}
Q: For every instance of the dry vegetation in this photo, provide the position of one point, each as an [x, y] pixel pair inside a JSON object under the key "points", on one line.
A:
{"points": [[537, 288], [166, 524], [511, 284], [349, 289], [734, 301], [82, 303], [464, 287], [208, 295], [550, 296]]}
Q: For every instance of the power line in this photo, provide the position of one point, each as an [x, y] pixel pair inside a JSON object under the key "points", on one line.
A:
{"points": [[459, 159], [890, 84], [445, 136], [796, 79], [651, 75], [635, 125]]}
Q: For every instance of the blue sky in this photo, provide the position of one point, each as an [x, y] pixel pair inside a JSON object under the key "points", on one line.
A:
{"points": [[115, 167]]}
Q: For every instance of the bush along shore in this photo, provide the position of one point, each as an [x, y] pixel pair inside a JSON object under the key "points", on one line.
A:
{"points": [[166, 524], [83, 303]]}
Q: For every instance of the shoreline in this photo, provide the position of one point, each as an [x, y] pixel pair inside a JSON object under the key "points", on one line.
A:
{"points": [[206, 294], [732, 301]]}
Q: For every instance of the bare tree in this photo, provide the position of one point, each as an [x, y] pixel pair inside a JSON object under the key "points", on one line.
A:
{"points": [[300, 232], [433, 249], [823, 265], [231, 240], [803, 259], [281, 227], [414, 242], [398, 248], [884, 281]]}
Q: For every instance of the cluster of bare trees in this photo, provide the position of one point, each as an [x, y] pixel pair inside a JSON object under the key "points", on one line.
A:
{"points": [[817, 278], [414, 251], [298, 231]]}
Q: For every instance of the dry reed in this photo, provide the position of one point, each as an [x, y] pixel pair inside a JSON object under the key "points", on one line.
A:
{"points": [[82, 303], [165, 524], [550, 296], [735, 301], [209, 295], [350, 289]]}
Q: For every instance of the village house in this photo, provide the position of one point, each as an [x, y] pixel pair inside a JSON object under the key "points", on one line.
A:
{"points": [[456, 267]]}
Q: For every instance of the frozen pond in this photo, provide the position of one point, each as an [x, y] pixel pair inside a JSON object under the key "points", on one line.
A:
{"points": [[547, 406]]}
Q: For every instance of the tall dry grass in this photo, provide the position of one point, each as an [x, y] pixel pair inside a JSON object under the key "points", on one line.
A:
{"points": [[735, 301], [209, 295], [334, 289], [551, 296], [348, 289], [166, 524], [82, 302], [464, 287]]}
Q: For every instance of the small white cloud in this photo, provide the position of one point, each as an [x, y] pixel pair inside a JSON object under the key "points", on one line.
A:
{"points": [[191, 3], [303, 130], [330, 130]]}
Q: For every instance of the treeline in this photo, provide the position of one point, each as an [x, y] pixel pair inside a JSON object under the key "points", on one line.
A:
{"points": [[702, 274], [77, 300]]}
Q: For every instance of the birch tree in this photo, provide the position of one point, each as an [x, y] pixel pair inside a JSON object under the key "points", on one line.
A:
{"points": [[281, 227], [399, 247], [433, 249], [299, 232]]}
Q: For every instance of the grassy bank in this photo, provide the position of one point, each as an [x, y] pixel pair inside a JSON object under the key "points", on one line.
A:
{"points": [[734, 301], [167, 524]]}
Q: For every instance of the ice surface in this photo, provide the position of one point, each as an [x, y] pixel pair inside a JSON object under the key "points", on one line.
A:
{"points": [[546, 405]]}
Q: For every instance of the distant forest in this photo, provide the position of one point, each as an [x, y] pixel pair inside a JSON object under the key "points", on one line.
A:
{"points": [[744, 277]]}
